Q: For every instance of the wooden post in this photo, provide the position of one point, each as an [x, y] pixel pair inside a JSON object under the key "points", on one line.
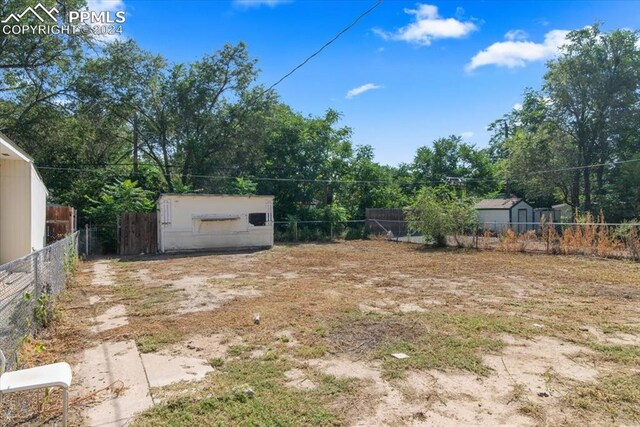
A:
{"points": [[86, 240]]}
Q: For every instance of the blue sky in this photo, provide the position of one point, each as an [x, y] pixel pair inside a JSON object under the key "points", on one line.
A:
{"points": [[432, 69]]}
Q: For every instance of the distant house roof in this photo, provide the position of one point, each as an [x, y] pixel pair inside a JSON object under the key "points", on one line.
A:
{"points": [[498, 203]]}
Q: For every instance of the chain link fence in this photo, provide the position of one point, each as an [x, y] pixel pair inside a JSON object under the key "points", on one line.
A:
{"points": [[607, 240], [318, 231], [27, 287]]}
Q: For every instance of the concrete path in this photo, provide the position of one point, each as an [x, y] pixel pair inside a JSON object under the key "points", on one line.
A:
{"points": [[120, 365], [107, 364]]}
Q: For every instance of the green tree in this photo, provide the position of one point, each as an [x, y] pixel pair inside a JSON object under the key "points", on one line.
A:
{"points": [[451, 160], [440, 212], [593, 87], [114, 199]]}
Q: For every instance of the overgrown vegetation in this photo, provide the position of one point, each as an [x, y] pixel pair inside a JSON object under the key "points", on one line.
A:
{"points": [[441, 212], [248, 393]]}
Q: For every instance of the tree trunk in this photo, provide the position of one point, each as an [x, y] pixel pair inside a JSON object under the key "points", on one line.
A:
{"points": [[135, 146], [575, 190], [587, 189]]}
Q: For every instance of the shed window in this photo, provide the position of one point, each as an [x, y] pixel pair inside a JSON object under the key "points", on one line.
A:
{"points": [[258, 219]]}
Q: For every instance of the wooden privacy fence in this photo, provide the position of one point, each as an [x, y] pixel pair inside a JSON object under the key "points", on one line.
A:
{"points": [[138, 233], [381, 221], [61, 221]]}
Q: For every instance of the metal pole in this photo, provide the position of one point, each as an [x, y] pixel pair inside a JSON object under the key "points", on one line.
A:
{"points": [[295, 231], [86, 240], [36, 279]]}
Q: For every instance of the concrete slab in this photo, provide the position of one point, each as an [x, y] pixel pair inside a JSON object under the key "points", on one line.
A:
{"points": [[165, 369], [94, 299], [102, 275], [104, 365], [112, 318]]}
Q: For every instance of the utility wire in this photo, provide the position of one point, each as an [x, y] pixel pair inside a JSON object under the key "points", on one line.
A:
{"points": [[327, 44], [347, 181]]}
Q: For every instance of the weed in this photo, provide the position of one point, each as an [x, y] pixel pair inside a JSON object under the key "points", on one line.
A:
{"points": [[270, 402], [617, 395]]}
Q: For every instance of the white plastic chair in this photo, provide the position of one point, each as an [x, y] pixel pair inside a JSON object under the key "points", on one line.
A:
{"points": [[54, 375]]}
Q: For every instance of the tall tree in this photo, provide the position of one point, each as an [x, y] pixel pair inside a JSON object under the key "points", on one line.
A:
{"points": [[593, 86]]}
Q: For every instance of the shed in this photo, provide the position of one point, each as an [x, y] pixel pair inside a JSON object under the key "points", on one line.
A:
{"points": [[562, 212], [192, 222], [23, 203], [498, 214]]}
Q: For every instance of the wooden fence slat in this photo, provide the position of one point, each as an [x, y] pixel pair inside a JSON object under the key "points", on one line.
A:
{"points": [[138, 233]]}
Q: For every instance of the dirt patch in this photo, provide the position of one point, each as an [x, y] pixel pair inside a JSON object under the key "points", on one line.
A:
{"points": [[366, 334], [297, 378]]}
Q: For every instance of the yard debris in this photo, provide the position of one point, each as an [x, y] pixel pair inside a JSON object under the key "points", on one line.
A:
{"points": [[543, 394], [256, 319], [249, 392], [400, 355], [538, 325]]}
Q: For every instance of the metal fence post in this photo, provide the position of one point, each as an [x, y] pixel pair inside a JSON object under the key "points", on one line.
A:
{"points": [[36, 278], [86, 240], [295, 231]]}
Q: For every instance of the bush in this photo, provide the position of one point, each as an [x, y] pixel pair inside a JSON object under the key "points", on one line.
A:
{"points": [[440, 212]]}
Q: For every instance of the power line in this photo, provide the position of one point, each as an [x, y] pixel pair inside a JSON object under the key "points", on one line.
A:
{"points": [[327, 44], [348, 181]]}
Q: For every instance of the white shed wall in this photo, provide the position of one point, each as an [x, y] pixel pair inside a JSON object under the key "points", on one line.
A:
{"points": [[38, 211], [529, 217], [493, 219], [15, 220], [183, 225]]}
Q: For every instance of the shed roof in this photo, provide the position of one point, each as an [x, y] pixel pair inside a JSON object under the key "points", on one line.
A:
{"points": [[228, 196], [9, 149], [498, 203]]}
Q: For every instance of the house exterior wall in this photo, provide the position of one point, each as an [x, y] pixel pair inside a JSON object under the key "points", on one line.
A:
{"points": [[15, 220], [201, 222], [38, 211], [493, 219]]}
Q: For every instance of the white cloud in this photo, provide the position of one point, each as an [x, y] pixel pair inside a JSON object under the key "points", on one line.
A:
{"points": [[362, 89], [246, 4], [467, 135], [105, 5], [517, 53], [111, 6], [514, 35], [428, 25]]}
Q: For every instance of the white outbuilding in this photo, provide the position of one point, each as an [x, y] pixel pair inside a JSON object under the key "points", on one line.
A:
{"points": [[23, 203], [192, 222], [500, 214]]}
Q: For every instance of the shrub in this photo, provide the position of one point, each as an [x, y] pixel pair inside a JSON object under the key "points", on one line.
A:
{"points": [[440, 212]]}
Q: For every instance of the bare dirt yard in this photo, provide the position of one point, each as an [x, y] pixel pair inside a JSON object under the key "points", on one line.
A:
{"points": [[492, 338]]}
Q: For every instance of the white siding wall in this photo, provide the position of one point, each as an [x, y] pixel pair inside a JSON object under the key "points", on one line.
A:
{"points": [[514, 217], [15, 220], [38, 211], [182, 228], [493, 219]]}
